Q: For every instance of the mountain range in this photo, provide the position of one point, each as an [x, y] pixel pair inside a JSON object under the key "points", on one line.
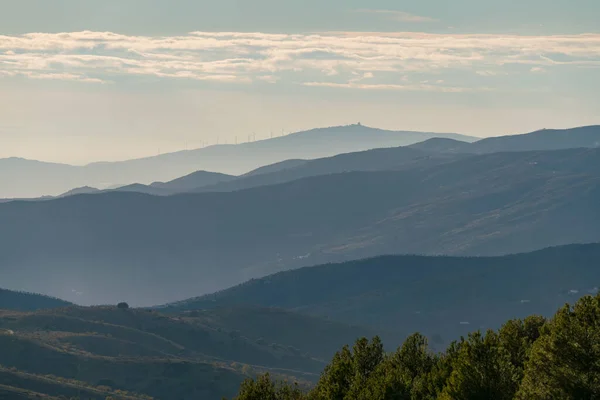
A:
{"points": [[100, 248], [429, 151], [545, 139], [20, 178]]}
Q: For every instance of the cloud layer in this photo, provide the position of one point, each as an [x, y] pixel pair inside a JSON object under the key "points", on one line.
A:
{"points": [[355, 60]]}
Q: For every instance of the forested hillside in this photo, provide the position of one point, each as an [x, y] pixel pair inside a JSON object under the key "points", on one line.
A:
{"points": [[441, 297], [528, 359]]}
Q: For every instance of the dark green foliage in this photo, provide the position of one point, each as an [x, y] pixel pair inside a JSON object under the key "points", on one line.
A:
{"points": [[397, 375], [482, 371], [530, 359], [350, 370], [263, 388], [517, 338], [123, 306], [565, 361]]}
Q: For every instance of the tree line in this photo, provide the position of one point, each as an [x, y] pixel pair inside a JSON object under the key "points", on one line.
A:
{"points": [[530, 359]]}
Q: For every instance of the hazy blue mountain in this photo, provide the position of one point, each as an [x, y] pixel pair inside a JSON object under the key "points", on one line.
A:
{"points": [[384, 159], [81, 190], [28, 178], [184, 184], [393, 158], [447, 296], [139, 188], [149, 249], [25, 178], [545, 139], [193, 181], [22, 301], [279, 166], [443, 145]]}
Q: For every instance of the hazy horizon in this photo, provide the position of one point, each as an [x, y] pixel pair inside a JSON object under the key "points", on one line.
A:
{"points": [[106, 81], [249, 139]]}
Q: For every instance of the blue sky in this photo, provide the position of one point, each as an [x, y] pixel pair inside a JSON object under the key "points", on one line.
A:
{"points": [[87, 80]]}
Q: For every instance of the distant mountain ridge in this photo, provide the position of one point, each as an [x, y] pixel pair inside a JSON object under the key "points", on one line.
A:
{"points": [[192, 181], [162, 247], [21, 178], [384, 159], [442, 295], [431, 151], [542, 140]]}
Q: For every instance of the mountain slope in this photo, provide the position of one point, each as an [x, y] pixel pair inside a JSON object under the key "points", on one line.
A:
{"points": [[21, 301], [443, 145], [318, 337], [140, 333], [545, 139], [81, 190], [25, 178], [542, 140], [21, 385], [433, 295], [149, 249], [394, 158], [184, 184], [193, 181], [199, 354], [160, 378], [279, 166]]}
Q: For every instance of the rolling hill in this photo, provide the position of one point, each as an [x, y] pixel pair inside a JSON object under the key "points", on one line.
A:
{"points": [[156, 377], [104, 351], [147, 249], [439, 296], [22, 301], [20, 178]]}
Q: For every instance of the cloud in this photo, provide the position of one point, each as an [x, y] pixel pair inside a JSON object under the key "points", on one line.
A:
{"points": [[537, 70], [400, 16], [235, 58], [422, 87]]}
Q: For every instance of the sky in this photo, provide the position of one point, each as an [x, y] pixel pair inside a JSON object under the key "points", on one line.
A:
{"points": [[90, 80]]}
